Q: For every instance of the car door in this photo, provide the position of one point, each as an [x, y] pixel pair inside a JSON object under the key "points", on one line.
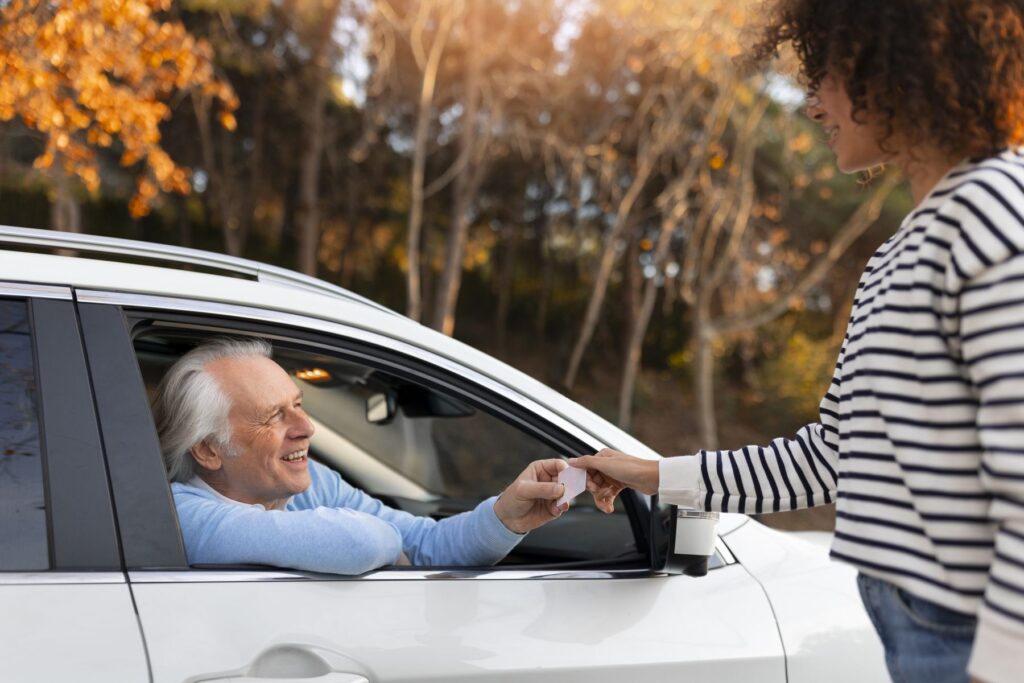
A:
{"points": [[597, 620], [66, 605]]}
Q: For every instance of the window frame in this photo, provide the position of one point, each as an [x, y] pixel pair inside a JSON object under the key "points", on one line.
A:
{"points": [[395, 356]]}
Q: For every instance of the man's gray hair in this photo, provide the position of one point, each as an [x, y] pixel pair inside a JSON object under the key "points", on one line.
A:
{"points": [[191, 407]]}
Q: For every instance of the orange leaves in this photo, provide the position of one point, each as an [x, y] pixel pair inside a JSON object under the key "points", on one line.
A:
{"points": [[709, 32], [777, 237], [89, 73], [227, 119], [802, 143]]}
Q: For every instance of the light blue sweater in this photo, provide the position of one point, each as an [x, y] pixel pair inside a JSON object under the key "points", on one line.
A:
{"points": [[333, 527]]}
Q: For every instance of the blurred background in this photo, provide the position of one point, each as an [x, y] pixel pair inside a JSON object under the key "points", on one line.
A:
{"points": [[592, 190]]}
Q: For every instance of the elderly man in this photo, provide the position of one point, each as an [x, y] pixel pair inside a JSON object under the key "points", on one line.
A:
{"points": [[235, 441]]}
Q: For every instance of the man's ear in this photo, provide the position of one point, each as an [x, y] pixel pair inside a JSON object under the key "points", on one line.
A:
{"points": [[207, 456]]}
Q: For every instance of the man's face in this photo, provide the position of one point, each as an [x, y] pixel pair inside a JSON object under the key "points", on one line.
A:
{"points": [[270, 433]]}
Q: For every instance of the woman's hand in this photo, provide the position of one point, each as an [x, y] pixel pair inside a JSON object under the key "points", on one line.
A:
{"points": [[610, 471]]}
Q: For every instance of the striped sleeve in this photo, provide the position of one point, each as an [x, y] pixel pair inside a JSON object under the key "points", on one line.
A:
{"points": [[786, 474], [992, 337]]}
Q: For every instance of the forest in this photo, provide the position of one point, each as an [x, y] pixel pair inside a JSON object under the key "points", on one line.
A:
{"points": [[599, 192]]}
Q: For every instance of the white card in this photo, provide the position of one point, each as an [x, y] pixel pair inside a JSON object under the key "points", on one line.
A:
{"points": [[575, 481]]}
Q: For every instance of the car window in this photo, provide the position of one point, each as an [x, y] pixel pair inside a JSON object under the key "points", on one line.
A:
{"points": [[23, 536], [430, 452], [444, 445]]}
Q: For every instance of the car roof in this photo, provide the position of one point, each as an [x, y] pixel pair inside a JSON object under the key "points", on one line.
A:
{"points": [[168, 254], [258, 285]]}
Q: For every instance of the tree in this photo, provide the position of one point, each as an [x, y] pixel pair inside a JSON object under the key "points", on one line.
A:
{"points": [[232, 161], [731, 247], [674, 205], [412, 25], [318, 19], [667, 53], [94, 74], [477, 69]]}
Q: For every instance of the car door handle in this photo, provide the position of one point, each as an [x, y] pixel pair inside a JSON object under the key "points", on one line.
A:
{"points": [[293, 663]]}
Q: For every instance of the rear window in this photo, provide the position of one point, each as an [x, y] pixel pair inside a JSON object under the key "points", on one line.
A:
{"points": [[23, 538]]}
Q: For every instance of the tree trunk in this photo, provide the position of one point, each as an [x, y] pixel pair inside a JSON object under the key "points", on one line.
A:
{"points": [[65, 214], [505, 283], [414, 292], [451, 278], [308, 211], [634, 349], [705, 380], [217, 195], [641, 321], [547, 275], [748, 354], [351, 225], [467, 182], [634, 294], [254, 167], [184, 224], [286, 240], [604, 273]]}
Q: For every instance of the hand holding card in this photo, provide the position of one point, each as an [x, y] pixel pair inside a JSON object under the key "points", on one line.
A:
{"points": [[575, 482], [529, 501]]}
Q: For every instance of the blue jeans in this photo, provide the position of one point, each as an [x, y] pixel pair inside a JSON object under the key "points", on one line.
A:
{"points": [[924, 642]]}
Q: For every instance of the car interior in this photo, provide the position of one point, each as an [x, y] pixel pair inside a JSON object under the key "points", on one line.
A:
{"points": [[416, 447]]}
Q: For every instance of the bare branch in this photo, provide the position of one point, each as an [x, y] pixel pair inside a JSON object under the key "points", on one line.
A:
{"points": [[865, 215]]}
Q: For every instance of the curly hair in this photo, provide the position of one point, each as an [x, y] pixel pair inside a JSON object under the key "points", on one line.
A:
{"points": [[947, 73]]}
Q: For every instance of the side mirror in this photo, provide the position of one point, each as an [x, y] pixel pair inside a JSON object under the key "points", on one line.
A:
{"points": [[381, 408], [681, 540]]}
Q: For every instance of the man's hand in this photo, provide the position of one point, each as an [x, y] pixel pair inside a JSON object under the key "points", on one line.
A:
{"points": [[529, 501], [609, 471]]}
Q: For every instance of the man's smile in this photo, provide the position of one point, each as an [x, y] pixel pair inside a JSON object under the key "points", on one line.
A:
{"points": [[296, 456]]}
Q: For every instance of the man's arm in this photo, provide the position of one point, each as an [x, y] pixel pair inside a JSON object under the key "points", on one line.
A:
{"points": [[480, 537], [336, 541], [476, 537]]}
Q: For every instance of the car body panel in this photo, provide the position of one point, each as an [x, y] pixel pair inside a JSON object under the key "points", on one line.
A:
{"points": [[89, 631], [825, 630], [577, 628]]}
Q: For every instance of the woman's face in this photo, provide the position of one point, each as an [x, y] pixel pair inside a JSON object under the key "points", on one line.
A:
{"points": [[854, 144]]}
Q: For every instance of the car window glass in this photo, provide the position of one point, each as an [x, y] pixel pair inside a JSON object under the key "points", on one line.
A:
{"points": [[449, 449], [23, 539]]}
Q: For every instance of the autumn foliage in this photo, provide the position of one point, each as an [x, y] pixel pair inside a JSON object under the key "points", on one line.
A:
{"points": [[91, 74]]}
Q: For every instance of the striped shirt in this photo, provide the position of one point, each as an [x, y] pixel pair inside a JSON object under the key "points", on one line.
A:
{"points": [[921, 435]]}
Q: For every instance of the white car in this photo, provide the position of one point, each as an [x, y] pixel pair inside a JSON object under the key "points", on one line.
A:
{"points": [[94, 581]]}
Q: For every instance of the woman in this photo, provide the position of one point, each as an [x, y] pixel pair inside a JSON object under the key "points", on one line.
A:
{"points": [[921, 434]]}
